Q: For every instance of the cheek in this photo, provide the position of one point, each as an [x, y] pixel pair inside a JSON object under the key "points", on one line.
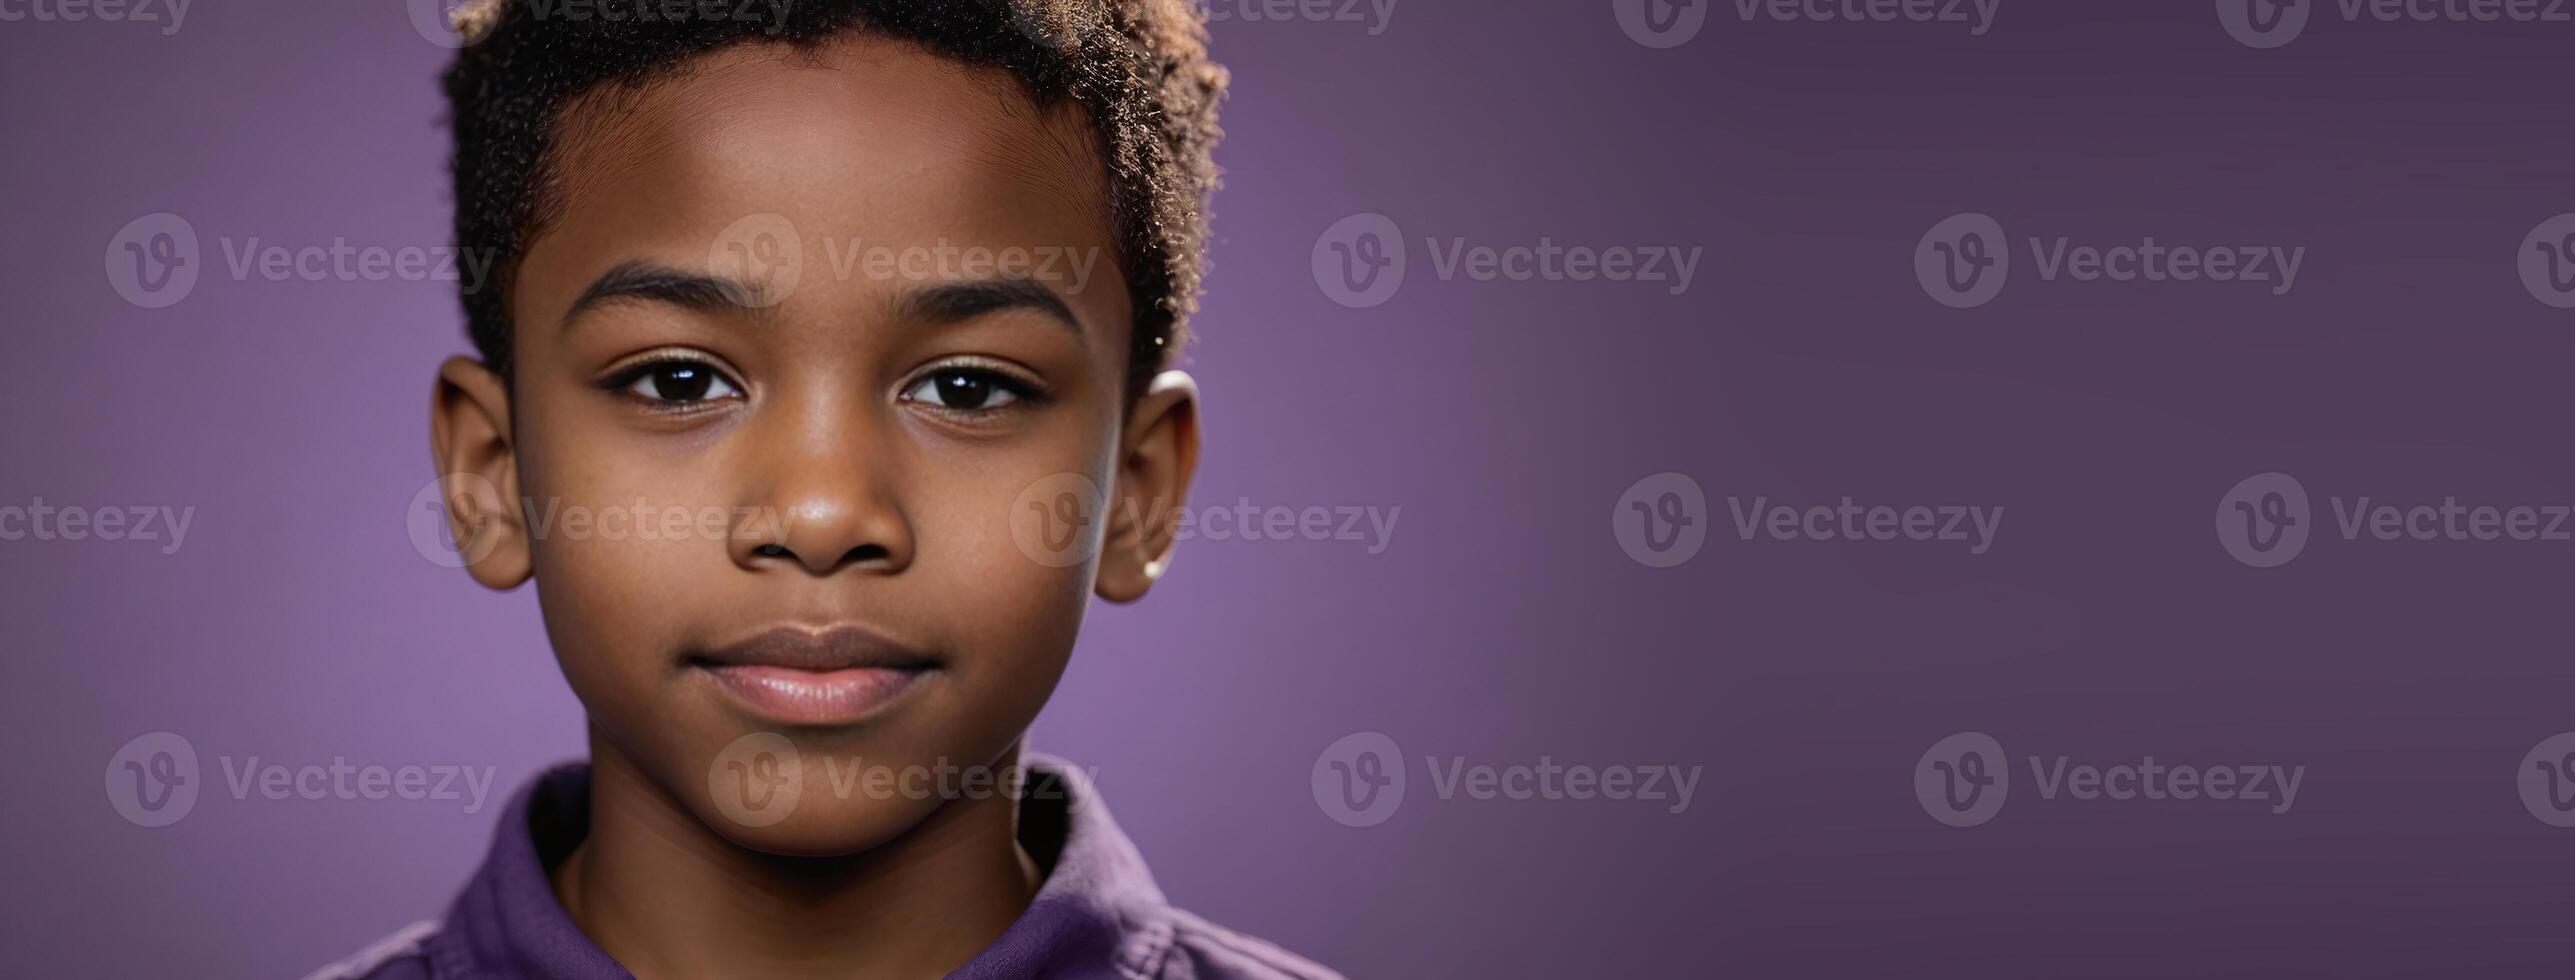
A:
{"points": [[618, 600], [1020, 620], [618, 540], [1015, 578]]}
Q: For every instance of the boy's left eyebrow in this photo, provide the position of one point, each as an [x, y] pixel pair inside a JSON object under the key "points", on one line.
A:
{"points": [[956, 302]]}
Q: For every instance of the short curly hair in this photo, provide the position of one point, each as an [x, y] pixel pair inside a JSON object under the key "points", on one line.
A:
{"points": [[1138, 68]]}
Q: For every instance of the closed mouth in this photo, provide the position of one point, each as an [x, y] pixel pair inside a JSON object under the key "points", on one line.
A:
{"points": [[792, 676]]}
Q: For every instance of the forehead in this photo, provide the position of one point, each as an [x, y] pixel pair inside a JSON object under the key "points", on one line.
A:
{"points": [[861, 141]]}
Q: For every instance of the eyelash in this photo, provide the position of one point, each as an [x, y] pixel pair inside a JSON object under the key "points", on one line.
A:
{"points": [[1022, 392], [625, 380]]}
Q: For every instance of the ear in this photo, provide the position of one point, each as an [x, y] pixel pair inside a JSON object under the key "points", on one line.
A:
{"points": [[1155, 464], [478, 471]]}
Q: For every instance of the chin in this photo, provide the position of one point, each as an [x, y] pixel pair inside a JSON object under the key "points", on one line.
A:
{"points": [[813, 794], [814, 824]]}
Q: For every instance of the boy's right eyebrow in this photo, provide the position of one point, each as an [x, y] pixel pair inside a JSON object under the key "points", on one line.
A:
{"points": [[653, 282]]}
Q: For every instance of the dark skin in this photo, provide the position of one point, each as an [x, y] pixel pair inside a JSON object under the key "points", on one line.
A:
{"points": [[868, 438]]}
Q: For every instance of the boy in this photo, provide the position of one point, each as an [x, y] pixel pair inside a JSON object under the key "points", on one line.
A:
{"points": [[813, 267]]}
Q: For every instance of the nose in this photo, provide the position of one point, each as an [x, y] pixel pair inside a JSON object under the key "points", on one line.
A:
{"points": [[824, 497]]}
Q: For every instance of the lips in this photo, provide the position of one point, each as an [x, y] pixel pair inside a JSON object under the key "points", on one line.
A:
{"points": [[792, 676]]}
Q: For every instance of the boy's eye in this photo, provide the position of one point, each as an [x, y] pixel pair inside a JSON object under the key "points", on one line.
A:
{"points": [[680, 383], [965, 390]]}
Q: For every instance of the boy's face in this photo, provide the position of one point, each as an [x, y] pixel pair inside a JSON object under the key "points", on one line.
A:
{"points": [[853, 304]]}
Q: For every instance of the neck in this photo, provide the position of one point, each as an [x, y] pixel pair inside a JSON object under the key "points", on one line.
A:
{"points": [[666, 896]]}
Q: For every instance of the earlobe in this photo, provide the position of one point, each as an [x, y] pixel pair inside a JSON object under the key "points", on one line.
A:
{"points": [[1155, 464], [470, 443]]}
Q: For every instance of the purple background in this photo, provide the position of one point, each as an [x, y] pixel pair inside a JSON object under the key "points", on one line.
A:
{"points": [[1503, 622]]}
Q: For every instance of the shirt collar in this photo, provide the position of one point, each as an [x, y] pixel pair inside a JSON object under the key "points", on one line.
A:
{"points": [[1098, 914]]}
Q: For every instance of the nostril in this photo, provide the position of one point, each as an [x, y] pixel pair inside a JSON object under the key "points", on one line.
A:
{"points": [[771, 551], [864, 554]]}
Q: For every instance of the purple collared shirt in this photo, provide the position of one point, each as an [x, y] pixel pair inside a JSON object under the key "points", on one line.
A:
{"points": [[1098, 915]]}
